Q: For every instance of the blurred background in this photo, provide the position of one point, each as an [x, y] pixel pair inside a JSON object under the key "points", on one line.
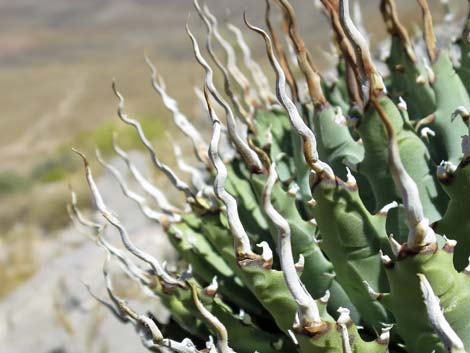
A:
{"points": [[57, 61]]}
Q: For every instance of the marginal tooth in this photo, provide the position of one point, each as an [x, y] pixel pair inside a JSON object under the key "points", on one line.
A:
{"points": [[299, 266], [293, 189], [313, 221], [210, 345], [421, 80], [292, 337], [351, 180], [384, 210], [331, 275], [426, 132], [467, 269], [178, 234], [449, 244], [241, 314], [211, 289], [386, 260], [245, 317], [281, 156], [350, 165], [340, 119], [462, 112], [399, 68], [396, 246], [384, 337], [312, 202], [445, 171], [402, 104], [277, 345], [326, 297], [372, 293], [344, 316], [267, 254]]}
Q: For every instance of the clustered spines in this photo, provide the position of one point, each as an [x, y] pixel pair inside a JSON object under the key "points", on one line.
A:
{"points": [[250, 95], [211, 26], [199, 145], [177, 182], [242, 147], [150, 189], [257, 74], [115, 222], [384, 279], [308, 138]]}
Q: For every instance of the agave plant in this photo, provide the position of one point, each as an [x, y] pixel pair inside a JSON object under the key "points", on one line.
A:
{"points": [[355, 192]]}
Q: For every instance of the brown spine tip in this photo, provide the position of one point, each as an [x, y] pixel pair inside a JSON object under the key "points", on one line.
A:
{"points": [[406, 252], [449, 245], [313, 329]]}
